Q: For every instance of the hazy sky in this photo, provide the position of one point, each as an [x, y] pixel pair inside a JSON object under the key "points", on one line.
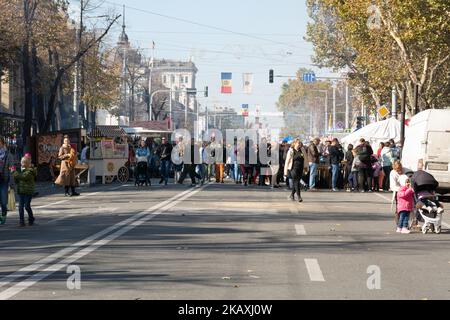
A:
{"points": [[279, 26]]}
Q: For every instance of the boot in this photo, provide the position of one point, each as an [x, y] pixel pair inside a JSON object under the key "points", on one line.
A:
{"points": [[74, 193], [66, 192]]}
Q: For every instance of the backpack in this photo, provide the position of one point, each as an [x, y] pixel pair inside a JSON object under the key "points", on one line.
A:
{"points": [[364, 156]]}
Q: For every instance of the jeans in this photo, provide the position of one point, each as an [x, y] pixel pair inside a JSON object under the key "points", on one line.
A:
{"points": [[236, 172], [202, 171], [403, 219], [165, 169], [4, 197], [312, 175], [353, 179], [334, 175], [25, 203], [365, 179]]}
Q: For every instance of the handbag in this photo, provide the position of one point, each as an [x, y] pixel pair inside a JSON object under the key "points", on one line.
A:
{"points": [[11, 200]]}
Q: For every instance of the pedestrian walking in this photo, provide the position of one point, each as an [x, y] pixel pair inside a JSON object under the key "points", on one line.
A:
{"points": [[25, 181], [164, 151], [405, 204], [295, 163], [66, 177], [314, 159], [189, 168], [6, 180]]}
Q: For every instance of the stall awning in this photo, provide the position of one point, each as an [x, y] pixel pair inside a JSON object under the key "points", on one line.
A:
{"points": [[107, 132]]}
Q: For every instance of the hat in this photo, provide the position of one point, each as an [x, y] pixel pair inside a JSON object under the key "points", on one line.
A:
{"points": [[402, 179]]}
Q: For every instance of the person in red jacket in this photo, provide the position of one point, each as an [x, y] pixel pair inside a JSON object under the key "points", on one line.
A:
{"points": [[405, 204]]}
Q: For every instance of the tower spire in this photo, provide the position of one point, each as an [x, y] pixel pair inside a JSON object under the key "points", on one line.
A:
{"points": [[123, 17]]}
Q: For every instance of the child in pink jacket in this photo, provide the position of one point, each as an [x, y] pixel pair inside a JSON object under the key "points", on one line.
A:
{"points": [[405, 204]]}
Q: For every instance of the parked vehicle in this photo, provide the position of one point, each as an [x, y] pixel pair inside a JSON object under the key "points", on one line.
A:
{"points": [[427, 146]]}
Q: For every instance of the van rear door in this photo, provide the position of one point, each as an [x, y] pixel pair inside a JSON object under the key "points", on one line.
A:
{"points": [[437, 160]]}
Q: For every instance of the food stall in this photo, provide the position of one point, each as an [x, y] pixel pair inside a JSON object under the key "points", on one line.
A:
{"points": [[108, 154], [46, 149]]}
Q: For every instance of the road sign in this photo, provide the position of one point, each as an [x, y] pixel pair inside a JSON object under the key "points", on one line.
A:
{"points": [[309, 77], [340, 125], [383, 111]]}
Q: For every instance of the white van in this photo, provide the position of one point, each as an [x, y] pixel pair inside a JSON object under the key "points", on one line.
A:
{"points": [[427, 143]]}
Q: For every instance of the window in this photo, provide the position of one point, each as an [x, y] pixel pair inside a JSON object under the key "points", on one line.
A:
{"points": [[164, 79], [186, 79], [181, 79]]}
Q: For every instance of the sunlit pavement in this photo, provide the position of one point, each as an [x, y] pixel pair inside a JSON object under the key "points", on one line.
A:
{"points": [[219, 241]]}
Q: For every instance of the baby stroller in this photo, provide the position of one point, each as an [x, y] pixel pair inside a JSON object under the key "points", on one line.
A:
{"points": [[142, 172], [429, 209]]}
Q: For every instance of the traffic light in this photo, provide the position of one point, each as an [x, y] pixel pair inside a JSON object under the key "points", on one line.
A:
{"points": [[206, 92], [270, 76]]}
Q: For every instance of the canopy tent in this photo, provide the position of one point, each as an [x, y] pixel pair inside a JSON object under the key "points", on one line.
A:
{"points": [[375, 133]]}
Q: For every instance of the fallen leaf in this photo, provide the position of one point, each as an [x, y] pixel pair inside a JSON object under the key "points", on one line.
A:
{"points": [[236, 286], [252, 270], [254, 277], [226, 278]]}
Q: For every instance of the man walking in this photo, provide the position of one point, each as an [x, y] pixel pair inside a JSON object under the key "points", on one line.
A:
{"points": [[164, 151], [313, 157]]}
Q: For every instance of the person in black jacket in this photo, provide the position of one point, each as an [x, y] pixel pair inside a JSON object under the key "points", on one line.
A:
{"points": [[189, 168], [364, 152], [164, 151], [336, 156], [348, 167]]}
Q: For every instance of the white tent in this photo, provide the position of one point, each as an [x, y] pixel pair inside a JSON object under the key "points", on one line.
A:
{"points": [[375, 133]]}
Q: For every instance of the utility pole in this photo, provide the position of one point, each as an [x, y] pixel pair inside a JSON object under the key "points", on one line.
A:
{"points": [[150, 80], [334, 107], [347, 107], [402, 119], [394, 103]]}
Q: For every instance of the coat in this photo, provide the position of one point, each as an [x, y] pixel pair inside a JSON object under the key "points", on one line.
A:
{"points": [[66, 176], [405, 199], [5, 164], [289, 161], [25, 181]]}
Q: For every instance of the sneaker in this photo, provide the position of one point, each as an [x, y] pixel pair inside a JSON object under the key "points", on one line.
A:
{"points": [[21, 224], [291, 198], [398, 230], [2, 220], [335, 190], [300, 200], [405, 231]]}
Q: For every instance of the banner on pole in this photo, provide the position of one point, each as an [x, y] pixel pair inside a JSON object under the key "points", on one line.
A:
{"points": [[226, 82], [248, 83]]}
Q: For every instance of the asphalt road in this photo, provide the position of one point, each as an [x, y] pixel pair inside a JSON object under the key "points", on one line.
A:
{"points": [[220, 241]]}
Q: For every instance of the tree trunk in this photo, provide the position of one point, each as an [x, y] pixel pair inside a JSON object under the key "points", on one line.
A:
{"points": [[28, 88]]}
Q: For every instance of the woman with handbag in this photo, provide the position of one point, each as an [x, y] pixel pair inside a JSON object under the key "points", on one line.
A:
{"points": [[6, 180], [66, 177]]}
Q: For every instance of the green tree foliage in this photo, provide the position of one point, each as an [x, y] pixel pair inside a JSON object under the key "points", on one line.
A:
{"points": [[410, 45]]}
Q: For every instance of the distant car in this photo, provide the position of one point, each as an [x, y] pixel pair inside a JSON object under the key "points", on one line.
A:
{"points": [[427, 145]]}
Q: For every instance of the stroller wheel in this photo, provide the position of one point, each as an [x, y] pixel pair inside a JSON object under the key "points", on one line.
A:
{"points": [[437, 230]]}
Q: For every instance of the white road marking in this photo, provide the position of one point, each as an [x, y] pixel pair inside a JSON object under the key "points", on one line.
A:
{"points": [[294, 210], [300, 229], [315, 274], [51, 258], [51, 204], [123, 226], [384, 197]]}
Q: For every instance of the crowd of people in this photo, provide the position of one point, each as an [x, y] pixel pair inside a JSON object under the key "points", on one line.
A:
{"points": [[357, 169]]}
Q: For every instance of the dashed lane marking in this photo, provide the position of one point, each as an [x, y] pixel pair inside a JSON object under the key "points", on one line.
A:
{"points": [[300, 229], [315, 274]]}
